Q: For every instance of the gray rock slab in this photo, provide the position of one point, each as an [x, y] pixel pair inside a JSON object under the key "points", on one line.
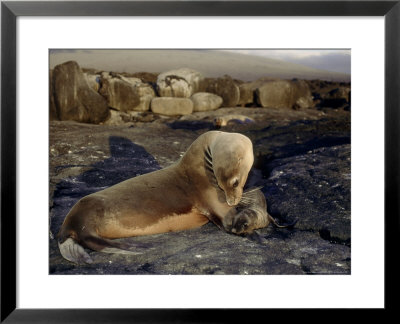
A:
{"points": [[208, 250], [170, 106], [204, 101]]}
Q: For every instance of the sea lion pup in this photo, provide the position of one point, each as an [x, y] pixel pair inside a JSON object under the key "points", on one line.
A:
{"points": [[222, 121], [205, 184], [251, 214]]}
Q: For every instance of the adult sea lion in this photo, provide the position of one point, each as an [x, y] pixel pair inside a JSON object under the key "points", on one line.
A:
{"points": [[206, 183]]}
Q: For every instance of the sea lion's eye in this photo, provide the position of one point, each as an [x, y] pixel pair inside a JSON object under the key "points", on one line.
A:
{"points": [[236, 183]]}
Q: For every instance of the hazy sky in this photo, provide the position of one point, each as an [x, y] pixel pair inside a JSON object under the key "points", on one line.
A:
{"points": [[244, 64], [331, 60], [336, 60]]}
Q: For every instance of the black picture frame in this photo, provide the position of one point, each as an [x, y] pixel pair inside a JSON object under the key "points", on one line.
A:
{"points": [[11, 10]]}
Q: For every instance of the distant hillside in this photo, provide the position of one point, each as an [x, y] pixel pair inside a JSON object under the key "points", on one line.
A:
{"points": [[210, 63]]}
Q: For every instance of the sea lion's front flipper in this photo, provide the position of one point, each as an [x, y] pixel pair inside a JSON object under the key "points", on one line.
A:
{"points": [[256, 237]]}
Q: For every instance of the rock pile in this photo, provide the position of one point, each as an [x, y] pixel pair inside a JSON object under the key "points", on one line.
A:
{"points": [[331, 95], [90, 96]]}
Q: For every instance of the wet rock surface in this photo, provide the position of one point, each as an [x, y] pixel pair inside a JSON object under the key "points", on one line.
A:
{"points": [[302, 160]]}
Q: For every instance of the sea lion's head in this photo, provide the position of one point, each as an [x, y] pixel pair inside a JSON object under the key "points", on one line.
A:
{"points": [[232, 159], [219, 122]]}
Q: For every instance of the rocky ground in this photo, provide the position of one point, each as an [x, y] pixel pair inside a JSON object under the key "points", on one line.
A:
{"points": [[302, 160]]}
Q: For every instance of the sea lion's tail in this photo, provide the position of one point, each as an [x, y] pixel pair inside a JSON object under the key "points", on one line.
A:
{"points": [[72, 251]]}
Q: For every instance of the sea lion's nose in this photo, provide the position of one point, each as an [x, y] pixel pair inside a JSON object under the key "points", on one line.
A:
{"points": [[232, 202]]}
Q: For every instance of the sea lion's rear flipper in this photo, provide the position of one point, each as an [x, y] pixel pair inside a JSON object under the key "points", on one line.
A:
{"points": [[73, 252]]}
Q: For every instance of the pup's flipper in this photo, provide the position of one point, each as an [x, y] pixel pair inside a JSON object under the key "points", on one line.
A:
{"points": [[256, 237], [279, 225]]}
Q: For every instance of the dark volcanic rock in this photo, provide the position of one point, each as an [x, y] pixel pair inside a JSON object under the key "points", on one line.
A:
{"points": [[316, 256], [208, 250], [313, 188], [73, 97], [297, 138]]}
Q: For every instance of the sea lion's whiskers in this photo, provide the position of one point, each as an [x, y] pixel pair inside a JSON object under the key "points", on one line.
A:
{"points": [[246, 203], [252, 190], [249, 198]]}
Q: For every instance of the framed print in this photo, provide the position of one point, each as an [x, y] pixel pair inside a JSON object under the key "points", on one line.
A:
{"points": [[325, 156]]}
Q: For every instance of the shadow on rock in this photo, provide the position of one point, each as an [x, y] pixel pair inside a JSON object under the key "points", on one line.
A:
{"points": [[127, 160], [298, 138], [191, 125]]}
